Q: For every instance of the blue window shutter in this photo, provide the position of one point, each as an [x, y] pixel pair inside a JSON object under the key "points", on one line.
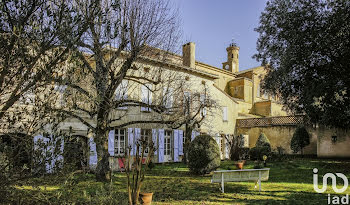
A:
{"points": [[131, 140], [161, 145], [181, 137], [176, 145], [193, 135], [61, 148], [154, 139], [137, 137], [111, 137], [93, 153]]}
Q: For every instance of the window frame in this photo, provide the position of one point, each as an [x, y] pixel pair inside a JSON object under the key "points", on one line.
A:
{"points": [[117, 141]]}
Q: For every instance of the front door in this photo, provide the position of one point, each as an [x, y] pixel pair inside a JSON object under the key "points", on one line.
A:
{"points": [[167, 146]]}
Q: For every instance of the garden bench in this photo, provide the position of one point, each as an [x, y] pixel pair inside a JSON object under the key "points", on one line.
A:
{"points": [[256, 175]]}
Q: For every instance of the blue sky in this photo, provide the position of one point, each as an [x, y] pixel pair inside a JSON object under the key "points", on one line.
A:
{"points": [[212, 24]]}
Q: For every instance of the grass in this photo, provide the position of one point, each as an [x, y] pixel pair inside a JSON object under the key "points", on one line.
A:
{"points": [[290, 182]]}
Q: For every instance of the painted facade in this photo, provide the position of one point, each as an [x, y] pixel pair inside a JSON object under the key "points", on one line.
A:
{"points": [[237, 93]]}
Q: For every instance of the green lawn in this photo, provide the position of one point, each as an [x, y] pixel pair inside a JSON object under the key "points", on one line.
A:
{"points": [[291, 182]]}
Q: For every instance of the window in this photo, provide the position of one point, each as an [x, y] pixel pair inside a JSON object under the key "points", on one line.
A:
{"points": [[203, 110], [121, 92], [187, 102], [119, 141], [167, 142], [146, 96], [258, 91], [224, 113], [168, 98], [146, 134]]}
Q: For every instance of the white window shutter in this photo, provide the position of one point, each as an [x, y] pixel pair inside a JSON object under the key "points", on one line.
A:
{"points": [[131, 140], [154, 140], [137, 137], [161, 145], [93, 153], [181, 135], [224, 113], [111, 137], [176, 145]]}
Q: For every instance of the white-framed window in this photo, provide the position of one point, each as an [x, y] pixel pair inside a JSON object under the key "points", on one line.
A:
{"points": [[187, 102], [167, 142], [168, 98], [147, 135], [146, 96], [121, 93], [120, 141], [203, 110], [224, 114]]}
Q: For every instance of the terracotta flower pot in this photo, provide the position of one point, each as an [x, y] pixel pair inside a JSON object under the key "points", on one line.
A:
{"points": [[239, 165], [146, 198]]}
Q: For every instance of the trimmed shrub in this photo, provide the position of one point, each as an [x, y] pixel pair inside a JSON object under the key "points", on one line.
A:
{"points": [[262, 147], [203, 155], [262, 141], [300, 139]]}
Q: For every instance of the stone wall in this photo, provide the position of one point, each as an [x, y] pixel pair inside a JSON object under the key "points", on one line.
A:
{"points": [[324, 142], [279, 136], [333, 143]]}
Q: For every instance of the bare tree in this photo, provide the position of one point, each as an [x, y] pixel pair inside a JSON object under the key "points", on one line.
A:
{"points": [[118, 34], [33, 47], [126, 41]]}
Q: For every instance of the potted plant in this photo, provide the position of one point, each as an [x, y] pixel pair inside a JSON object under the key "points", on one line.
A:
{"points": [[135, 171], [240, 164]]}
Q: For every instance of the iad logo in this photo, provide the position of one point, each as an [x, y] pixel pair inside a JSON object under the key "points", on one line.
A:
{"points": [[334, 182]]}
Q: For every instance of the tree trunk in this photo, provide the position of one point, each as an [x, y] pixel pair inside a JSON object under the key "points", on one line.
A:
{"points": [[103, 172], [188, 135]]}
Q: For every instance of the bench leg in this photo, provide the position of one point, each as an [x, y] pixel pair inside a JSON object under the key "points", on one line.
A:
{"points": [[222, 183], [259, 181]]}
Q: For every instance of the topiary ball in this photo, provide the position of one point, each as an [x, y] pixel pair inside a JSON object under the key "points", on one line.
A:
{"points": [[203, 155]]}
